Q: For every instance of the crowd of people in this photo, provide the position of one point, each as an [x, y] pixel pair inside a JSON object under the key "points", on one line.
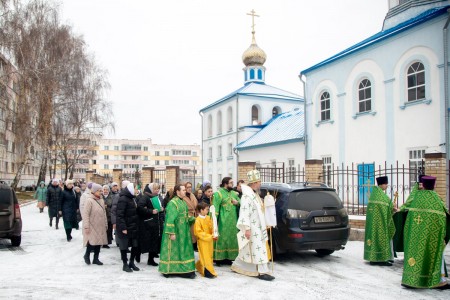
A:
{"points": [[170, 228]]}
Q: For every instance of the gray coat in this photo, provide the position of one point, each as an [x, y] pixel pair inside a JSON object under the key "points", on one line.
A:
{"points": [[115, 199]]}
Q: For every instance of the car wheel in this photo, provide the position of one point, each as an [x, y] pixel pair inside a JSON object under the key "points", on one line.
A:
{"points": [[324, 252], [15, 240]]}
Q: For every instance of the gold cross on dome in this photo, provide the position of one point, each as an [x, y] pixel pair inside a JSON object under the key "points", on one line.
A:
{"points": [[418, 220], [253, 14]]}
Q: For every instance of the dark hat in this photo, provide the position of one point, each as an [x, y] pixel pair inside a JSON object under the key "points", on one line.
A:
{"points": [[420, 177], [428, 182], [382, 180]]}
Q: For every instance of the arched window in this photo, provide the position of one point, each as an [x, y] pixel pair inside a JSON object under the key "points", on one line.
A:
{"points": [[229, 119], [219, 122], [276, 111], [365, 95], [209, 126], [325, 107], [255, 115], [252, 74], [416, 81], [259, 74]]}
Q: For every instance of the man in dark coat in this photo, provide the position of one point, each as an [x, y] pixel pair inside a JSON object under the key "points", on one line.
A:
{"points": [[126, 227], [69, 209], [53, 201], [151, 222]]}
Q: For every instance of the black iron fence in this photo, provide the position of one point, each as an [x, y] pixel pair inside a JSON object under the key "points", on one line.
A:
{"points": [[280, 173]]}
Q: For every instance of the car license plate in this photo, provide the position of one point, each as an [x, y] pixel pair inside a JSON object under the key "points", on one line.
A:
{"points": [[324, 219]]}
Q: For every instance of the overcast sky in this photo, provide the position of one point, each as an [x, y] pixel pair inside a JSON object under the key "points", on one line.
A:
{"points": [[168, 59]]}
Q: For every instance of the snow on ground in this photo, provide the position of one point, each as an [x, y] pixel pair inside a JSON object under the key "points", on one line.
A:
{"points": [[46, 266]]}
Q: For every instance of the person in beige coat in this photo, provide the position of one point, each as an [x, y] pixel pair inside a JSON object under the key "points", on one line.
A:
{"points": [[94, 224], [192, 203]]}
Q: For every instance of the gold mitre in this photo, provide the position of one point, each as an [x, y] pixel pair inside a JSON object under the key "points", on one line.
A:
{"points": [[253, 176]]}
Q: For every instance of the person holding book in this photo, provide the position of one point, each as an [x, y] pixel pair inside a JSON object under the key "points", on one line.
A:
{"points": [[151, 222]]}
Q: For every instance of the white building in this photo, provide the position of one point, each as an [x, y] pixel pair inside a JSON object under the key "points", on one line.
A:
{"points": [[383, 99], [237, 116], [278, 147]]}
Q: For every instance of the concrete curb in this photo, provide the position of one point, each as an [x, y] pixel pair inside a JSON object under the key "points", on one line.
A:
{"points": [[356, 234], [28, 203]]}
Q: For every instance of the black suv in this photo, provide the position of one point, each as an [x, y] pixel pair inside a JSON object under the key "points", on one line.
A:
{"points": [[10, 218], [310, 216]]}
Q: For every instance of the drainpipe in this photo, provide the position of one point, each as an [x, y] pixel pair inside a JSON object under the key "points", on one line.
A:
{"points": [[446, 91], [237, 139], [305, 137], [203, 175]]}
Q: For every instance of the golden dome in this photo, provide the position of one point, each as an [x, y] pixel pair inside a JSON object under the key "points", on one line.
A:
{"points": [[254, 56]]}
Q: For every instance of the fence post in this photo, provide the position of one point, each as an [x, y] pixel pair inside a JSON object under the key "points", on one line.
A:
{"points": [[117, 176], [314, 170], [172, 176], [89, 175], [243, 168], [147, 175], [435, 166]]}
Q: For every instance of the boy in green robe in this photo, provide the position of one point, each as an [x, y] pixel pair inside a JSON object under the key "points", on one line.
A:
{"points": [[380, 226], [425, 232], [226, 201], [177, 253]]}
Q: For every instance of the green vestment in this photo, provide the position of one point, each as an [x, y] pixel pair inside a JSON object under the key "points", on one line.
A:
{"points": [[424, 234], [226, 247], [177, 256], [380, 227], [411, 197]]}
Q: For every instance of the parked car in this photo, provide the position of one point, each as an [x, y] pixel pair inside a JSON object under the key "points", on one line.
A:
{"points": [[309, 217], [10, 217]]}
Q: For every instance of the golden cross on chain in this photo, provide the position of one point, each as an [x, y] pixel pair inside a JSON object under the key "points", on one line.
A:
{"points": [[253, 14]]}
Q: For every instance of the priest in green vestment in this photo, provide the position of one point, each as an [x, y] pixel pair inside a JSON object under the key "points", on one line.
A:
{"points": [[417, 187], [177, 252], [424, 235], [380, 227], [226, 201]]}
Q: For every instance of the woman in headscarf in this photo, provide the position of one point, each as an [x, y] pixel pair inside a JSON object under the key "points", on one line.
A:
{"points": [[107, 198], [94, 224], [126, 227], [40, 195], [151, 222], [69, 209]]}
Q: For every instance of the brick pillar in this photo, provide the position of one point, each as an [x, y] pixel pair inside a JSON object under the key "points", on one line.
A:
{"points": [[147, 175], [435, 166], [172, 176], [89, 175], [243, 168], [313, 170], [117, 176]]}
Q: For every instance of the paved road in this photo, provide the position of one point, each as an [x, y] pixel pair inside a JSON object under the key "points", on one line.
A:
{"points": [[46, 266]]}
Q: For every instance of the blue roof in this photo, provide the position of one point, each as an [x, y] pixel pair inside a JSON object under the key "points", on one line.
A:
{"points": [[258, 90], [382, 35], [283, 128]]}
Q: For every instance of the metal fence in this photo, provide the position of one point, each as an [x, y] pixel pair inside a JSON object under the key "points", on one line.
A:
{"points": [[353, 183], [280, 173]]}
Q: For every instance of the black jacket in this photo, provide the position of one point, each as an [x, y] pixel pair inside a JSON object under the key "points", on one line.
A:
{"points": [[69, 205], [126, 215], [53, 200], [150, 225]]}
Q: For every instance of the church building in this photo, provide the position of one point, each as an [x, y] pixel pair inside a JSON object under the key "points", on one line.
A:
{"points": [[384, 99], [240, 114]]}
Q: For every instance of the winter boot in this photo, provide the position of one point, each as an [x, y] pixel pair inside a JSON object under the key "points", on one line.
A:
{"points": [[51, 221], [86, 257], [68, 234], [96, 261], [131, 264], [41, 210], [151, 260], [56, 224], [126, 268]]}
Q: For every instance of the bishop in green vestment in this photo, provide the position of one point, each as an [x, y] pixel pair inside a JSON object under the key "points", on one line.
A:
{"points": [[226, 201], [380, 226], [177, 252], [424, 234]]}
